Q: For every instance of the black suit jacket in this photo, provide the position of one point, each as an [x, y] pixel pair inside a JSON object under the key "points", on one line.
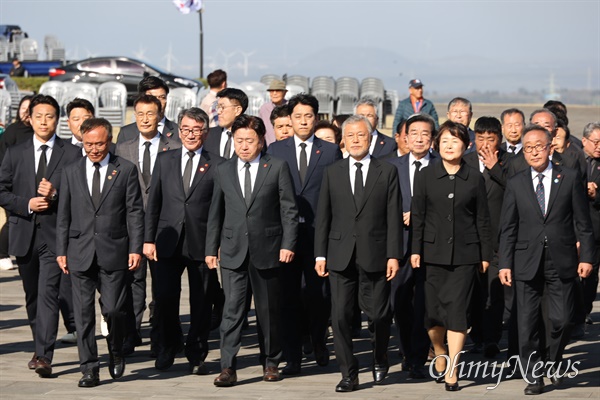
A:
{"points": [[307, 195], [212, 143], [574, 158], [131, 131], [259, 231], [17, 187], [169, 209], [495, 183], [373, 230], [384, 145], [130, 150], [594, 176], [450, 217], [523, 227], [111, 232]]}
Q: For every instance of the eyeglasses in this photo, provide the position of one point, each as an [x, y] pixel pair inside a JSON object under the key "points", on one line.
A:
{"points": [[361, 135], [196, 131], [537, 148], [220, 108], [149, 115], [424, 135], [457, 112], [99, 146]]}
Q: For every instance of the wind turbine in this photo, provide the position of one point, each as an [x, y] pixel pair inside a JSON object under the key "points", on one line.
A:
{"points": [[140, 54], [170, 57], [227, 56], [246, 56]]}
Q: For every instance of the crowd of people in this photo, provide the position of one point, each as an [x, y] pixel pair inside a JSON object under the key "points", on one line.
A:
{"points": [[438, 230]]}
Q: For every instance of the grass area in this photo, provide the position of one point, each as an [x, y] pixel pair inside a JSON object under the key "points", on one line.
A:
{"points": [[30, 84]]}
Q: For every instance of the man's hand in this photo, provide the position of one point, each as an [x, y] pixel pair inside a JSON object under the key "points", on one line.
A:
{"points": [[321, 268], [584, 269], [134, 261], [484, 266], [592, 190], [211, 262], [62, 263], [286, 256], [505, 276], [488, 157], [150, 251], [392, 268], [415, 261], [46, 189], [38, 204], [406, 218]]}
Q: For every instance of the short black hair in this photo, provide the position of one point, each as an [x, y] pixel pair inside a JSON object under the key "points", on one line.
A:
{"points": [[420, 118], [80, 103], [150, 83], [324, 124], [279, 112], [305, 99], [195, 113], [512, 111], [93, 123], [216, 78], [43, 99], [534, 127], [489, 125], [562, 124], [23, 100], [400, 126], [147, 99], [249, 122], [236, 95], [455, 129]]}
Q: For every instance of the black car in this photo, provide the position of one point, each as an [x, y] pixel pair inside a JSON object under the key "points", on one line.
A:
{"points": [[126, 70]]}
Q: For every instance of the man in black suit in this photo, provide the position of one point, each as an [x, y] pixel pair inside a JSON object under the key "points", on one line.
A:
{"points": [[381, 144], [253, 219], [544, 217], [231, 103], [29, 182], [407, 291], [152, 86], [401, 142], [99, 237], [142, 151], [307, 157], [358, 244], [460, 110], [513, 124], [487, 303], [176, 217]]}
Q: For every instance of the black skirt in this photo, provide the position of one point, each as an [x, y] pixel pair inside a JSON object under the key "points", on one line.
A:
{"points": [[448, 291]]}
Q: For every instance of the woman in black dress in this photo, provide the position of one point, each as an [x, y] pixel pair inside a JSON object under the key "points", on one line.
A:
{"points": [[451, 239]]}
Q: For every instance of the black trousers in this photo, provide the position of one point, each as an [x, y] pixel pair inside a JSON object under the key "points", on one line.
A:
{"points": [[266, 286], [166, 284], [559, 296], [136, 300], [373, 297], [487, 306], [112, 288]]}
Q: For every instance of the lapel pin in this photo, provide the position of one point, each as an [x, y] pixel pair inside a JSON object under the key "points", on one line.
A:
{"points": [[381, 142], [206, 165], [109, 177], [169, 134], [319, 152], [265, 165], [201, 169], [114, 172], [164, 149], [598, 167]]}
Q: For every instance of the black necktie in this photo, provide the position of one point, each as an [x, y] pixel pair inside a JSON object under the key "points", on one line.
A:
{"points": [[227, 150], [417, 164], [41, 169], [513, 148], [79, 144], [591, 167], [96, 185], [247, 184], [358, 185], [146, 164], [187, 172], [539, 193], [303, 163]]}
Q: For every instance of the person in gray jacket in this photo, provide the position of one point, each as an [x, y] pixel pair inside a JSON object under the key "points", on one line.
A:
{"points": [[414, 104]]}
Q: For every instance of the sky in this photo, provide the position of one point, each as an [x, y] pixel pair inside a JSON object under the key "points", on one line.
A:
{"points": [[450, 45]]}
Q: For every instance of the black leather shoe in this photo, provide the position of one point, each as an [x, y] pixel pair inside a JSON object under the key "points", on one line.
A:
{"points": [[116, 366], [43, 367], [198, 368], [534, 388], [379, 373], [226, 378], [439, 378], [347, 384], [89, 379], [452, 387], [416, 372], [165, 360], [476, 349], [321, 355], [491, 350], [291, 369]]}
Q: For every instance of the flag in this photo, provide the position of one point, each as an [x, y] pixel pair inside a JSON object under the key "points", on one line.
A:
{"points": [[186, 6]]}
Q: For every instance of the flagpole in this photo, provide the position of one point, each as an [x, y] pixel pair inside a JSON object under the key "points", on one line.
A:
{"points": [[201, 45]]}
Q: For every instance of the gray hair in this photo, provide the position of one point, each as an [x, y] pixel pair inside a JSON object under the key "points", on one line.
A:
{"points": [[544, 110], [353, 119], [365, 101], [589, 128], [460, 100], [194, 113], [534, 127]]}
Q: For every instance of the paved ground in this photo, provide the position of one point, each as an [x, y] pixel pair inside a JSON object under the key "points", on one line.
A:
{"points": [[141, 380]]}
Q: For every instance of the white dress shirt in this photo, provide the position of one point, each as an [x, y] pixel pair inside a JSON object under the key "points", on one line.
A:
{"points": [[253, 172], [154, 143], [90, 169], [309, 144], [161, 125], [373, 141], [547, 182], [79, 144], [412, 167], [224, 137], [195, 161], [518, 146], [366, 161], [37, 146]]}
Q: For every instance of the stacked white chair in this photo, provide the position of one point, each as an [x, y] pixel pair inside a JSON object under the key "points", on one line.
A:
{"points": [[257, 96], [54, 49], [178, 100], [55, 89], [267, 79], [323, 88], [346, 94], [112, 102], [372, 88], [5, 110], [299, 80], [29, 50], [85, 91]]}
